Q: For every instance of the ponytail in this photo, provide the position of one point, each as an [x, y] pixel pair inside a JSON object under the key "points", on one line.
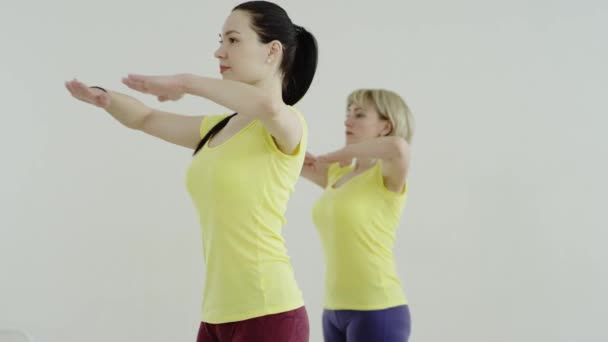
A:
{"points": [[301, 72], [300, 51]]}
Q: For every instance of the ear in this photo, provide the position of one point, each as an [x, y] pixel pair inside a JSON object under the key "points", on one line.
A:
{"points": [[388, 128], [275, 51]]}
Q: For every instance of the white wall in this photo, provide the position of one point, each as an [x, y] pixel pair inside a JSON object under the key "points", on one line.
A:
{"points": [[503, 235]]}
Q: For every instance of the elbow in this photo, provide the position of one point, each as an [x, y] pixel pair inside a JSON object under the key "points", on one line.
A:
{"points": [[399, 148], [269, 108]]}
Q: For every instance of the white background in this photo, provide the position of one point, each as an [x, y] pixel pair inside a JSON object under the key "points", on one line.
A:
{"points": [[503, 237]]}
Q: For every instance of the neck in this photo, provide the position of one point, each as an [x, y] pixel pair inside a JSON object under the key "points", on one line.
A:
{"points": [[272, 86]]}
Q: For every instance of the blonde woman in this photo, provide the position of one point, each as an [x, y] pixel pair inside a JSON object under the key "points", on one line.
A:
{"points": [[357, 217]]}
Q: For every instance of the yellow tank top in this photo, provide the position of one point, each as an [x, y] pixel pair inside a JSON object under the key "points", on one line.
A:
{"points": [[240, 189], [357, 223]]}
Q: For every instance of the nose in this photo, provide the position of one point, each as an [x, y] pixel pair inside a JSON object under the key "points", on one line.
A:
{"points": [[348, 121], [220, 53]]}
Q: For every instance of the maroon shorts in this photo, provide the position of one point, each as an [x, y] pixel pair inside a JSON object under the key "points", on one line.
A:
{"points": [[290, 326]]}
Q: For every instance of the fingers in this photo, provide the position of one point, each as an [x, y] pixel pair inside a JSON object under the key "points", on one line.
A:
{"points": [[330, 159], [135, 84], [310, 164], [84, 93], [136, 77], [79, 90], [69, 87], [326, 158], [344, 163], [309, 158], [310, 161]]}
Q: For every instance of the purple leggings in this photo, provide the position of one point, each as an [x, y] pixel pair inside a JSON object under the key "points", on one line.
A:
{"points": [[387, 325]]}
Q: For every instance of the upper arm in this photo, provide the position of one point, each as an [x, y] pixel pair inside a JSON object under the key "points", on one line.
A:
{"points": [[395, 168], [285, 127], [178, 129]]}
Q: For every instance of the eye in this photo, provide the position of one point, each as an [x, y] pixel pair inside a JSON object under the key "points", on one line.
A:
{"points": [[230, 40], [360, 115]]}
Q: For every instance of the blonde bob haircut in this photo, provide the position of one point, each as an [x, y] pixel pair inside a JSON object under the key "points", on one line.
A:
{"points": [[390, 106]]}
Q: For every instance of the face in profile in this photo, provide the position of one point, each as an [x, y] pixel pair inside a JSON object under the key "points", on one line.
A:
{"points": [[242, 57], [364, 123]]}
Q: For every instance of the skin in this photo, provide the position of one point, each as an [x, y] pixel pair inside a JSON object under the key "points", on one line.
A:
{"points": [[251, 87], [367, 141]]}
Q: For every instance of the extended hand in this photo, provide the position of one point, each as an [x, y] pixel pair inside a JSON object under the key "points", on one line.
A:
{"points": [[86, 94], [163, 87], [310, 161]]}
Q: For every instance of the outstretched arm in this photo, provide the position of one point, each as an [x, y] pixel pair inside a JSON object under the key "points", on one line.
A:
{"points": [[178, 129], [280, 121], [393, 151]]}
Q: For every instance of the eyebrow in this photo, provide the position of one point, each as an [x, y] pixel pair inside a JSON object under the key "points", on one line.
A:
{"points": [[229, 32]]}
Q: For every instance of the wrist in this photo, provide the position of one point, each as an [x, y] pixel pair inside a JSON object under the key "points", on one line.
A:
{"points": [[185, 82], [100, 88]]}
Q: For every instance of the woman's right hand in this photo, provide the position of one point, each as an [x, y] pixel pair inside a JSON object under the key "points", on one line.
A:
{"points": [[86, 94], [310, 161], [314, 170]]}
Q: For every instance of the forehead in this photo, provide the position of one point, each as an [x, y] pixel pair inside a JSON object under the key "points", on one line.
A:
{"points": [[238, 21], [366, 107]]}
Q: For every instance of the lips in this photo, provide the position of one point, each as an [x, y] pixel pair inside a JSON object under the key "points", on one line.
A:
{"points": [[223, 68]]}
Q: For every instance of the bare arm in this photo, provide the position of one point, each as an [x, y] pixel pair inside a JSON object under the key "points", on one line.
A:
{"points": [[178, 129], [393, 151], [314, 170], [182, 130], [281, 122]]}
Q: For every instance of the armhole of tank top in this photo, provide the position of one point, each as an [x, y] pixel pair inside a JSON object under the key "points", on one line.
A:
{"points": [[300, 148], [380, 179]]}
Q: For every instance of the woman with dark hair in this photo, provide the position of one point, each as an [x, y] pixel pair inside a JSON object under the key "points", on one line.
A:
{"points": [[244, 168]]}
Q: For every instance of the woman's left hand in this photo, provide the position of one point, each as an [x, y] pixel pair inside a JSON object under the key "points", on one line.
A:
{"points": [[165, 88]]}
